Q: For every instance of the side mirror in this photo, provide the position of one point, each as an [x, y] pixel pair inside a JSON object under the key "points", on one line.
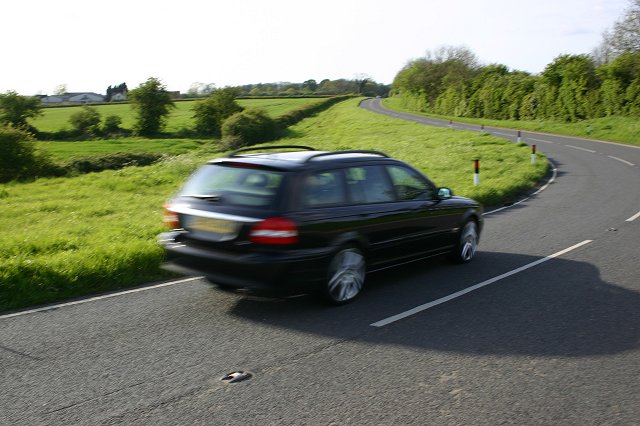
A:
{"points": [[444, 193]]}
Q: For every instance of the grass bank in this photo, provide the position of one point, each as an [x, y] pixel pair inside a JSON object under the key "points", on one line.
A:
{"points": [[64, 151], [614, 129], [445, 155], [66, 237]]}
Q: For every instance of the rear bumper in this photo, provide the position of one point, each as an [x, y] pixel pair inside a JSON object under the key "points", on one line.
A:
{"points": [[281, 273]]}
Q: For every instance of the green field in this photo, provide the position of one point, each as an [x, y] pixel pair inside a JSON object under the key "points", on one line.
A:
{"points": [[614, 129], [55, 119], [66, 237]]}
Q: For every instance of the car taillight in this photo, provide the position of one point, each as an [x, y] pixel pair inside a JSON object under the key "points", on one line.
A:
{"points": [[170, 218], [274, 231]]}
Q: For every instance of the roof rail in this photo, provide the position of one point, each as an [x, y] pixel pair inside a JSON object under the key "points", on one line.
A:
{"points": [[350, 151], [262, 148]]}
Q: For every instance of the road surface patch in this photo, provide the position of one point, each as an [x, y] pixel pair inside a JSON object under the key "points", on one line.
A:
{"points": [[457, 294]]}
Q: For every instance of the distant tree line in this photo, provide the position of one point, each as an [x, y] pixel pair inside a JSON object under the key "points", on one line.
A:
{"points": [[361, 85], [450, 81]]}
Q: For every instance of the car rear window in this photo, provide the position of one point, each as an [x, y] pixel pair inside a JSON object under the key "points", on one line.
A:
{"points": [[236, 186]]}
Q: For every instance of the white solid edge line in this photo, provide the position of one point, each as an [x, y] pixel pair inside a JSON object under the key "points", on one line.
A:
{"points": [[621, 160], [542, 188], [452, 296], [96, 298], [634, 217]]}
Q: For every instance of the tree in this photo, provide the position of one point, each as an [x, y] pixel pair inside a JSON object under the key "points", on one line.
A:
{"points": [[623, 37], [447, 69], [151, 103], [361, 80], [201, 89], [617, 76], [210, 113], [60, 89], [571, 82], [309, 86], [86, 121], [16, 110]]}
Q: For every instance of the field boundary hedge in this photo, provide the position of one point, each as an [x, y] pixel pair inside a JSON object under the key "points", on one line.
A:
{"points": [[295, 116], [254, 126]]}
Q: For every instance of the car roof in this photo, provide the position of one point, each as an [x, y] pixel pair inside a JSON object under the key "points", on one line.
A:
{"points": [[298, 157]]}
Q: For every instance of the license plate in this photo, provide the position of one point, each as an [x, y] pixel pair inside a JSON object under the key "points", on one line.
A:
{"points": [[216, 226]]}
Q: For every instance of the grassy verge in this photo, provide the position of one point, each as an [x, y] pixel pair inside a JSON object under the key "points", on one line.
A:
{"points": [[445, 155], [66, 237], [614, 129], [64, 151]]}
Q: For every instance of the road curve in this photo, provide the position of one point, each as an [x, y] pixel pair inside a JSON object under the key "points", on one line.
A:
{"points": [[542, 328]]}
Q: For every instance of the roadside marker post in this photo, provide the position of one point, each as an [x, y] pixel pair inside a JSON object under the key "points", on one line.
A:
{"points": [[450, 124], [519, 136], [533, 154], [476, 174]]}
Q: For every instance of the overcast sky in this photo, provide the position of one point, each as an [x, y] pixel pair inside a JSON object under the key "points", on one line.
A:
{"points": [[88, 45]]}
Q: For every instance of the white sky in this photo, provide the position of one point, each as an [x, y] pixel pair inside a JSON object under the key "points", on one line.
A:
{"points": [[91, 44]]}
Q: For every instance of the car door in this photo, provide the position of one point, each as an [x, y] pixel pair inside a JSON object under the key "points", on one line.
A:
{"points": [[433, 222], [393, 227], [355, 204]]}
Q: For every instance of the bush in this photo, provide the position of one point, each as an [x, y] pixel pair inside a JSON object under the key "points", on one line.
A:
{"points": [[248, 127], [115, 161], [19, 158], [210, 113], [86, 121], [112, 124]]}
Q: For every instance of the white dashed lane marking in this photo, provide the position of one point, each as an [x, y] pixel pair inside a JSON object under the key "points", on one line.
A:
{"points": [[455, 295]]}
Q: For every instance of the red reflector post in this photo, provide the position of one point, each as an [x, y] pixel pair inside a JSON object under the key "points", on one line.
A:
{"points": [[275, 231]]}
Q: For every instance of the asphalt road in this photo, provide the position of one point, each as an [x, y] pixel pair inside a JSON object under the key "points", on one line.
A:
{"points": [[528, 333]]}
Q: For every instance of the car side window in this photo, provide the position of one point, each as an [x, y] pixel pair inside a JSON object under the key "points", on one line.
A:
{"points": [[324, 189], [409, 185], [369, 184]]}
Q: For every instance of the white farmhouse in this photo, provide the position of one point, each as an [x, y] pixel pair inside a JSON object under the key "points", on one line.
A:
{"points": [[85, 98], [73, 98], [51, 99]]}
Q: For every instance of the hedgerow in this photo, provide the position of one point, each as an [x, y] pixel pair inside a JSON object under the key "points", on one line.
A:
{"points": [[254, 126]]}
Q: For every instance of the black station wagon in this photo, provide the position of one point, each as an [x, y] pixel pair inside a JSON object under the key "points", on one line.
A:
{"points": [[291, 220]]}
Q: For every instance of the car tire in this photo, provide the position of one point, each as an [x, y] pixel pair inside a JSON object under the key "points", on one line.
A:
{"points": [[345, 276], [467, 243]]}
